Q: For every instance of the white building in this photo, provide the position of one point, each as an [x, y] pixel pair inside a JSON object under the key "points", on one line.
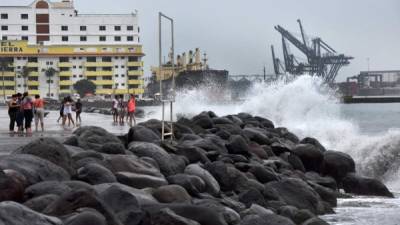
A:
{"points": [[104, 48]]}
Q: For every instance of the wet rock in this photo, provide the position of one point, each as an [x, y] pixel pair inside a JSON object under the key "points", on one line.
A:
{"points": [[140, 181], [193, 154], [133, 164], [71, 201], [258, 210], [266, 123], [49, 149], [12, 213], [326, 194], [313, 141], [257, 136], [112, 148], [327, 181], [124, 205], [180, 130], [315, 221], [93, 138], [194, 185], [258, 150], [171, 194], [365, 186], [87, 217], [279, 148], [296, 162], [311, 156], [204, 121], [168, 165], [297, 193], [40, 203], [252, 196], [46, 187], [272, 219], [168, 217], [142, 134], [337, 165], [212, 186], [95, 174], [11, 187], [144, 198], [263, 174], [237, 145], [33, 168]]}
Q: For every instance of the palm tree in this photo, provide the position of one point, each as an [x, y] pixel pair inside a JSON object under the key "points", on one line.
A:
{"points": [[4, 64], [25, 72], [50, 72]]}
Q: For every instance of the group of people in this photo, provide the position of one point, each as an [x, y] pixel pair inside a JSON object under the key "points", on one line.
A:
{"points": [[22, 109], [122, 110], [67, 107]]}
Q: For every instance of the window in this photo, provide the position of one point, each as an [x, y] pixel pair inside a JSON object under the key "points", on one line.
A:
{"points": [[64, 28], [91, 59], [4, 27], [83, 28], [24, 16], [117, 28], [116, 66], [138, 29], [129, 38], [64, 59], [129, 27], [4, 38], [25, 38], [102, 28], [83, 38], [4, 16], [102, 38], [24, 28], [106, 59], [117, 38], [64, 38]]}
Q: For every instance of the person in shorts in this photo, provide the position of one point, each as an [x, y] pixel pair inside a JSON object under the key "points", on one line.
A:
{"points": [[114, 108], [13, 108], [68, 111], [38, 105], [20, 114], [131, 108], [27, 106]]}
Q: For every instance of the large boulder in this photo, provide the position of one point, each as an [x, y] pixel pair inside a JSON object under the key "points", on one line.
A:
{"points": [[49, 149], [337, 165], [272, 219], [12, 213], [40, 203], [257, 135], [238, 145], [168, 217], [194, 185], [315, 221], [142, 134], [87, 217], [133, 164], [11, 187], [313, 141], [326, 181], [203, 120], [93, 173], [168, 164], [33, 168], [297, 193], [112, 148], [140, 181], [311, 156], [93, 138], [171, 194], [365, 186], [124, 204], [46, 187], [212, 185]]}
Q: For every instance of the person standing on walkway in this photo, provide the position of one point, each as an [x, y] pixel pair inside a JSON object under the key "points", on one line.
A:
{"points": [[131, 108], [12, 112], [61, 111], [68, 112], [121, 110], [20, 114], [27, 105], [115, 112], [39, 112], [78, 111]]}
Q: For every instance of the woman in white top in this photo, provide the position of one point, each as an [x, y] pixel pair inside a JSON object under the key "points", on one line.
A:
{"points": [[68, 111]]}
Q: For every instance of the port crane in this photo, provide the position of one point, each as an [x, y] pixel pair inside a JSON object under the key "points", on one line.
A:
{"points": [[322, 60]]}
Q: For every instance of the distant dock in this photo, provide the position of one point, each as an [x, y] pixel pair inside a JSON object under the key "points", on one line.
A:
{"points": [[370, 99]]}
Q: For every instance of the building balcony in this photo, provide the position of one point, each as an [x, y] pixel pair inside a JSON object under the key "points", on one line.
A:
{"points": [[7, 83], [65, 82], [103, 82], [34, 92], [99, 64], [136, 82], [135, 73], [64, 64], [65, 91], [32, 65], [8, 92], [98, 73], [34, 74], [136, 91], [66, 74], [135, 64], [8, 74], [33, 83], [104, 91]]}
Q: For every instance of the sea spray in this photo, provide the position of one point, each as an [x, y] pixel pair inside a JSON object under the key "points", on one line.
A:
{"points": [[310, 109]]}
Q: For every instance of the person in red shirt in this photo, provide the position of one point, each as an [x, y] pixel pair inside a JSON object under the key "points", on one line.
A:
{"points": [[131, 108], [39, 112]]}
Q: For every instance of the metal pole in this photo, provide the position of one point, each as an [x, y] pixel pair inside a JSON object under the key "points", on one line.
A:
{"points": [[160, 53], [4, 90]]}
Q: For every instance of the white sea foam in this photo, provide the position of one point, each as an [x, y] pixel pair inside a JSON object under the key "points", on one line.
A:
{"points": [[309, 109]]}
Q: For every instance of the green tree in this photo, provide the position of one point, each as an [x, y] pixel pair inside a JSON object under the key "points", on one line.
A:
{"points": [[84, 87], [25, 72], [50, 72], [4, 65]]}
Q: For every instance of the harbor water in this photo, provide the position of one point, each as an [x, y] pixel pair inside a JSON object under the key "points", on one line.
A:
{"points": [[370, 133]]}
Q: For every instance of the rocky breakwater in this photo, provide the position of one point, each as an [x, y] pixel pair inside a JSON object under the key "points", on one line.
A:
{"points": [[232, 170]]}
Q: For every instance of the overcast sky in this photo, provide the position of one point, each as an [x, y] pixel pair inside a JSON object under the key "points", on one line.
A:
{"points": [[236, 34]]}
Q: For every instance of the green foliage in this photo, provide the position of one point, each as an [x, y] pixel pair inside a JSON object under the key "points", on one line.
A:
{"points": [[84, 87]]}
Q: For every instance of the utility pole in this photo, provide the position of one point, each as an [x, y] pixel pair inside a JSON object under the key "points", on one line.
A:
{"points": [[265, 74]]}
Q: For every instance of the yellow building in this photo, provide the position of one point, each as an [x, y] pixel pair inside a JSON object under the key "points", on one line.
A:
{"points": [[104, 48]]}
